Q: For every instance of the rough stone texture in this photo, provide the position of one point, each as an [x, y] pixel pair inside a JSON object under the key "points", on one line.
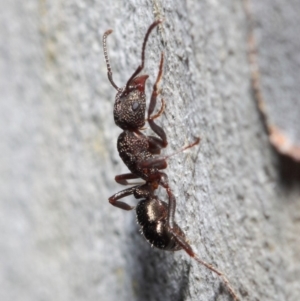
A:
{"points": [[276, 30], [238, 202]]}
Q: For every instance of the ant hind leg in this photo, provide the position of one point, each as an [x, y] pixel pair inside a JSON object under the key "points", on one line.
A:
{"points": [[122, 194]]}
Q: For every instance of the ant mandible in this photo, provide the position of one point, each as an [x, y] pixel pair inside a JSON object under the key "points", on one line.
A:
{"points": [[156, 218]]}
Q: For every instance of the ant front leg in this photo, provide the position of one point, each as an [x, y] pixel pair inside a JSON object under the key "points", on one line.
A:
{"points": [[122, 179], [162, 141], [160, 162]]}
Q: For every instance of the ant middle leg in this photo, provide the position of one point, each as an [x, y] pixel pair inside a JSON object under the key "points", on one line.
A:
{"points": [[122, 179], [161, 110], [160, 161]]}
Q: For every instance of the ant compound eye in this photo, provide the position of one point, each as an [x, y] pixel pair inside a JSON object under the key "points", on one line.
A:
{"points": [[135, 106]]}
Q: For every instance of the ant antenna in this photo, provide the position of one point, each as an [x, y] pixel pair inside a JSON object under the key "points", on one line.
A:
{"points": [[141, 67], [109, 72], [197, 140], [188, 249], [219, 273]]}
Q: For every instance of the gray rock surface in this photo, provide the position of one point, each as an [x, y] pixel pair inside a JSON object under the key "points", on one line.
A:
{"points": [[238, 201], [276, 30]]}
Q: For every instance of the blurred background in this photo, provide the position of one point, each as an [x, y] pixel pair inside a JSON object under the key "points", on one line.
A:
{"points": [[238, 196]]}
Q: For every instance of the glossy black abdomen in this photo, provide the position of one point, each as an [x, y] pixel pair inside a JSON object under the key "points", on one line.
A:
{"points": [[152, 217]]}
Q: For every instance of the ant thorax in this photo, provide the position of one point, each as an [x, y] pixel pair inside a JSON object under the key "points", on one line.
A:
{"points": [[142, 155]]}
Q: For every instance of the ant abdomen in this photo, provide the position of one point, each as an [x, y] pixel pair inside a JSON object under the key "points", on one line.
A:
{"points": [[152, 216]]}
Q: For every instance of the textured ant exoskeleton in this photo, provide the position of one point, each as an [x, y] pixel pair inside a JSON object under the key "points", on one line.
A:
{"points": [[130, 102], [136, 149], [156, 218]]}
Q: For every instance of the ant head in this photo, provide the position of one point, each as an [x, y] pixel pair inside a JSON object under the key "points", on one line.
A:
{"points": [[130, 104]]}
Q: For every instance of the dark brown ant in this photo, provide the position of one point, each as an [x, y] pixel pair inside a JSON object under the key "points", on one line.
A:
{"points": [[156, 218], [136, 149]]}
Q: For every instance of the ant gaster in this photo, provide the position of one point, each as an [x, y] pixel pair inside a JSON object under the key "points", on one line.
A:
{"points": [[156, 218]]}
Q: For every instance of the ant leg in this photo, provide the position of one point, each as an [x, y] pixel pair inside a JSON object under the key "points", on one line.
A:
{"points": [[163, 180], [122, 179], [121, 194], [160, 162], [157, 129], [155, 145], [188, 249], [161, 110]]}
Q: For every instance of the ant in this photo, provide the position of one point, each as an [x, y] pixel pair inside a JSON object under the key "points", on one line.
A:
{"points": [[136, 149], [156, 218]]}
